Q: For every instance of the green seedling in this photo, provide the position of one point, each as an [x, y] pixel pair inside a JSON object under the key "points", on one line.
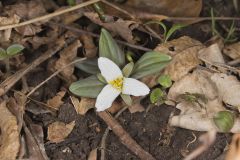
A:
{"points": [[167, 33], [224, 120]]}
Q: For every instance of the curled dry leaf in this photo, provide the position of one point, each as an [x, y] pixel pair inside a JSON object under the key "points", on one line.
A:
{"points": [[184, 52], [89, 46], [58, 131], [56, 101], [5, 35], [199, 116], [9, 140], [180, 8], [121, 27], [67, 56], [211, 54], [93, 155], [232, 50], [84, 105], [228, 88], [234, 150]]}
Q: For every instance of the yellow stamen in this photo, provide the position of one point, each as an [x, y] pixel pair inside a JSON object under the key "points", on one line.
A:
{"points": [[117, 83]]}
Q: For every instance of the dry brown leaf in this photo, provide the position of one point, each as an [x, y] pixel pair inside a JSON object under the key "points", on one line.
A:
{"points": [[184, 52], [67, 56], [6, 34], [137, 107], [56, 101], [232, 50], [211, 54], [88, 45], [234, 150], [121, 27], [93, 155], [58, 131], [179, 8], [9, 140], [228, 88], [84, 105], [200, 117]]}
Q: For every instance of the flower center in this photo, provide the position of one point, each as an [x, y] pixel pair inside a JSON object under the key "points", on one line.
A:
{"points": [[117, 83]]}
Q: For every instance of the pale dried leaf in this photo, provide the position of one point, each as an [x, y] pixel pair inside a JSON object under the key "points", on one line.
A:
{"points": [[58, 131], [137, 107], [84, 105], [121, 27], [185, 56], [56, 101], [93, 155], [211, 54], [234, 150], [197, 82], [67, 56], [228, 88], [9, 140], [232, 50]]}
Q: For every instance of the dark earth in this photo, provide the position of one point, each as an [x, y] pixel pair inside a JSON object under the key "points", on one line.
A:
{"points": [[150, 130]]}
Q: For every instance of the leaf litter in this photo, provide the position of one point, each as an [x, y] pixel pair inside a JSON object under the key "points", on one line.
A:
{"points": [[204, 83]]}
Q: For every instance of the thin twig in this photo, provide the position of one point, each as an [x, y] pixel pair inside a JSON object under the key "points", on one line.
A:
{"points": [[13, 79], [53, 75], [77, 30], [124, 137], [104, 137], [49, 16]]}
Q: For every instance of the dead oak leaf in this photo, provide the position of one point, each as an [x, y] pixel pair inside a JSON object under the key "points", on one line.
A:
{"points": [[9, 139], [58, 131], [67, 56], [228, 87], [232, 50], [184, 52], [121, 27], [84, 105], [56, 101]]}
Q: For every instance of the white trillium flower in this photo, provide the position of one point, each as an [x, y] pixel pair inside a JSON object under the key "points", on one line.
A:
{"points": [[117, 84]]}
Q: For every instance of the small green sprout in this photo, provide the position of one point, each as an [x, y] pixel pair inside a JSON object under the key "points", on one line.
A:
{"points": [[165, 81], [167, 33], [224, 120]]}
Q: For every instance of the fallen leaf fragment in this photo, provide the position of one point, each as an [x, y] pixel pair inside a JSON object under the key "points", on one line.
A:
{"points": [[56, 101], [228, 88], [58, 131], [67, 56], [93, 155], [121, 27], [184, 52], [84, 105], [232, 50], [211, 54], [234, 149], [89, 46], [9, 140]]}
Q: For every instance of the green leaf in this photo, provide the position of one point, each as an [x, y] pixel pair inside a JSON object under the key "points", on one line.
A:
{"points": [[156, 95], [173, 29], [101, 78], [165, 81], [89, 87], [3, 54], [161, 24], [108, 48], [14, 49], [224, 120], [150, 63], [88, 66], [127, 99], [127, 70]]}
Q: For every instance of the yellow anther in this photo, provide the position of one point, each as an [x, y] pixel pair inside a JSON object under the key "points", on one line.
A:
{"points": [[117, 83]]}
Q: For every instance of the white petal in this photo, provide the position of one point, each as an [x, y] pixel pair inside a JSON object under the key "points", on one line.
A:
{"points": [[109, 69], [106, 97], [134, 87]]}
